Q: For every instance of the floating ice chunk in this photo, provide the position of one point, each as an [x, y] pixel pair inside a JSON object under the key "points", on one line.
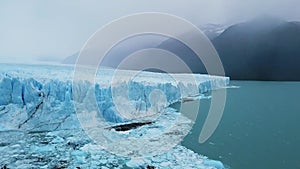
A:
{"points": [[137, 163], [214, 163]]}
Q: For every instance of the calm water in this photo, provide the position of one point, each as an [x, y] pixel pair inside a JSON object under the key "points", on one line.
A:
{"points": [[260, 128]]}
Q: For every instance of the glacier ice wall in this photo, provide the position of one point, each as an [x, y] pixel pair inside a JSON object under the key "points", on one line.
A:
{"points": [[42, 97], [40, 101]]}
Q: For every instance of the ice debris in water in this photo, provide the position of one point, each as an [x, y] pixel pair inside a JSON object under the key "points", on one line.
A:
{"points": [[75, 150]]}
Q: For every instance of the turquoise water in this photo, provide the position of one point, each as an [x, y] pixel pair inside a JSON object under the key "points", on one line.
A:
{"points": [[260, 128]]}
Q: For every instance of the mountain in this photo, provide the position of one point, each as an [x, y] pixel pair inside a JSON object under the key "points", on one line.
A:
{"points": [[185, 53], [124, 49], [212, 30], [261, 49], [130, 45], [71, 59], [264, 48]]}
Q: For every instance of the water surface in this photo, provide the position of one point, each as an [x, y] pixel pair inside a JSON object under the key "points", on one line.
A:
{"points": [[260, 128]]}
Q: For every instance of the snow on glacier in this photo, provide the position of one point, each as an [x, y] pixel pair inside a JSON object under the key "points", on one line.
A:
{"points": [[41, 99]]}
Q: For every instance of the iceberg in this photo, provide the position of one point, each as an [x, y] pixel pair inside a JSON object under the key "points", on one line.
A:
{"points": [[46, 101]]}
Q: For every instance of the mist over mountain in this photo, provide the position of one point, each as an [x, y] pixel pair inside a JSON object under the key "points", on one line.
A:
{"points": [[264, 48], [123, 49], [212, 30], [261, 49]]}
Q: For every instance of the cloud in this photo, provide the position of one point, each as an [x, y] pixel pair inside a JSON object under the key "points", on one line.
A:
{"points": [[33, 29]]}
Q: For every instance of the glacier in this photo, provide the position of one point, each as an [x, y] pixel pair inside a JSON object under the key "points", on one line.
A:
{"points": [[40, 105]]}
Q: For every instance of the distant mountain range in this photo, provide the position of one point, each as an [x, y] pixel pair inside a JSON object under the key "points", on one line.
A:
{"points": [[123, 49], [264, 48]]}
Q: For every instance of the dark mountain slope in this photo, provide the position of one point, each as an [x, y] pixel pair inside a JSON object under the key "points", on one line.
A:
{"points": [[262, 49], [261, 52], [265, 48]]}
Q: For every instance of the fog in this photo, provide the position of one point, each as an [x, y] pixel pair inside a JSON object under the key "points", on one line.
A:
{"points": [[52, 30]]}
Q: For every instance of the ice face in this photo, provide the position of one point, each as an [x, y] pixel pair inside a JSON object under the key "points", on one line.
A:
{"points": [[47, 89], [45, 99]]}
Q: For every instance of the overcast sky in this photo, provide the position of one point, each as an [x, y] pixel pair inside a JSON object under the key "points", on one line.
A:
{"points": [[52, 30]]}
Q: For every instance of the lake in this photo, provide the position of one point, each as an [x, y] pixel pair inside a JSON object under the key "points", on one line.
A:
{"points": [[260, 127]]}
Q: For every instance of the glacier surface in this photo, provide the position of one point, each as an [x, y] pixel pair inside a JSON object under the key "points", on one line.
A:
{"points": [[44, 102]]}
